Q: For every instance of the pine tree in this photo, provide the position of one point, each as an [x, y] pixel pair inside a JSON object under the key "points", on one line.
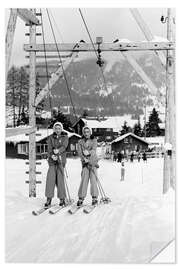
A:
{"points": [[137, 129], [152, 127], [125, 128], [58, 116], [85, 113]]}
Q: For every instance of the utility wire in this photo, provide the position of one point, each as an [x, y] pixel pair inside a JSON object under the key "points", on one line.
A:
{"points": [[45, 56], [61, 62], [58, 30]]}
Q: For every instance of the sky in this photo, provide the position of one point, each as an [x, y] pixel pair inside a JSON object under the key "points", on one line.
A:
{"points": [[110, 23]]}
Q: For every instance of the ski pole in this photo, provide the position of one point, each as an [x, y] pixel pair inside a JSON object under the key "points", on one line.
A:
{"points": [[99, 183], [67, 188], [103, 195], [66, 172]]}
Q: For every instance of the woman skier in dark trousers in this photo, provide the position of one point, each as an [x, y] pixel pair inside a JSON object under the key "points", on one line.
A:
{"points": [[87, 152], [57, 144]]}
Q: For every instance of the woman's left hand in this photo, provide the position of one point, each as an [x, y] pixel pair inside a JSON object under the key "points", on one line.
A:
{"points": [[86, 153]]}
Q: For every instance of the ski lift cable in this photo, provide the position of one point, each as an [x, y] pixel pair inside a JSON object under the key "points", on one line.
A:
{"points": [[61, 62], [57, 28], [45, 56], [102, 73]]}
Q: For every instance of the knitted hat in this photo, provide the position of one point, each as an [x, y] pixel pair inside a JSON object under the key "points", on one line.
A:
{"points": [[90, 129], [58, 124]]}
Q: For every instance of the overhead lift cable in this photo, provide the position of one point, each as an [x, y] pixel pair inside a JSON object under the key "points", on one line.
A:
{"points": [[61, 62], [45, 56]]}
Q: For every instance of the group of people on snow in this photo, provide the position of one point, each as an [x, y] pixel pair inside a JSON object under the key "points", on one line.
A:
{"points": [[120, 156], [57, 145], [87, 146]]}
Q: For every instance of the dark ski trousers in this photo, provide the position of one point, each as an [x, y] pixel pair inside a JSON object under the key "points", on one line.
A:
{"points": [[55, 177], [86, 175]]}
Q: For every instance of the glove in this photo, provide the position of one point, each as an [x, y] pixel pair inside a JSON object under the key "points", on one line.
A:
{"points": [[54, 157], [56, 151], [86, 153]]}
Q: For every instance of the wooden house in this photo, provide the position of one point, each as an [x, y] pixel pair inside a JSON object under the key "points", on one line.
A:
{"points": [[103, 129], [18, 146], [129, 142]]}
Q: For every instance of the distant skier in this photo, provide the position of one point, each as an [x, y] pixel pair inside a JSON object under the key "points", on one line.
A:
{"points": [[87, 152], [57, 144], [144, 157], [122, 171], [139, 157], [119, 157], [132, 157]]}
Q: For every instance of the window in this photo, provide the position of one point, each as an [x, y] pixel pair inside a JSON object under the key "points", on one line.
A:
{"points": [[72, 147], [108, 129], [108, 137], [125, 140], [94, 129], [38, 149], [23, 149]]}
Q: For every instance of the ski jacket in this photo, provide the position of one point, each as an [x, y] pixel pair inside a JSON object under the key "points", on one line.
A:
{"points": [[57, 142], [89, 145]]}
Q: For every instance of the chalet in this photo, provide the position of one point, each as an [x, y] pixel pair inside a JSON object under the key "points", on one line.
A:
{"points": [[105, 130], [18, 146], [129, 142]]}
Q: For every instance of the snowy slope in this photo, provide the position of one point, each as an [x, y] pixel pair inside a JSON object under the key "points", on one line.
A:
{"points": [[131, 229]]}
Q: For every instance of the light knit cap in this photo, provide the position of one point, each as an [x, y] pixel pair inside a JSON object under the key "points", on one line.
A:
{"points": [[57, 124], [90, 129]]}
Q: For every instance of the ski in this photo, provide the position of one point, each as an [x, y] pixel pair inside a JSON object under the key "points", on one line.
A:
{"points": [[41, 210], [74, 209], [89, 208], [56, 209]]}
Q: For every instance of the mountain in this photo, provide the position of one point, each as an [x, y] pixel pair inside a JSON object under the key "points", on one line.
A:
{"points": [[125, 92]]}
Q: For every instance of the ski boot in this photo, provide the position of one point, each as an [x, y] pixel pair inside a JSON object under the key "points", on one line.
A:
{"points": [[62, 202], [80, 202], [94, 201], [48, 203]]}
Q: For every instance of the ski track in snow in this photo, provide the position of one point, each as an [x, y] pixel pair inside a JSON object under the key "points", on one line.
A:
{"points": [[130, 229]]}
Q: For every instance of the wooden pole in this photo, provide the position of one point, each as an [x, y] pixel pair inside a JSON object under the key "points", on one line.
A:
{"points": [[10, 36], [170, 134], [140, 71], [147, 33], [13, 94], [32, 110], [105, 47]]}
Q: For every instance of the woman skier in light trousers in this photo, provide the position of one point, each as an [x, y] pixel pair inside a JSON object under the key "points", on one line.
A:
{"points": [[57, 144], [87, 152]]}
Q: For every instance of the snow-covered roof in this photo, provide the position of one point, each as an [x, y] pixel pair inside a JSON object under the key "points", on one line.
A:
{"points": [[126, 135], [115, 122], [18, 130], [43, 134]]}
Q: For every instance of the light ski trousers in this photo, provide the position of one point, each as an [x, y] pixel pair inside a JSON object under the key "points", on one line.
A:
{"points": [[55, 177], [86, 175]]}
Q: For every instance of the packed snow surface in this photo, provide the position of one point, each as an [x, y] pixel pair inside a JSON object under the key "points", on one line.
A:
{"points": [[131, 229]]}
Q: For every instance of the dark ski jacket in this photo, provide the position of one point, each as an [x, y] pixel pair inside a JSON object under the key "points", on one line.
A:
{"points": [[57, 142]]}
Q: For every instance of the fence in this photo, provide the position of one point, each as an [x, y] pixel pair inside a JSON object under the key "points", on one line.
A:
{"points": [[148, 155]]}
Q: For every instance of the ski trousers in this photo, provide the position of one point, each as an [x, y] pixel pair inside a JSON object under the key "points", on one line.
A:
{"points": [[55, 177], [86, 175]]}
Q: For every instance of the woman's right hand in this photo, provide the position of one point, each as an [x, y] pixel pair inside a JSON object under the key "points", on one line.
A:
{"points": [[54, 157]]}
